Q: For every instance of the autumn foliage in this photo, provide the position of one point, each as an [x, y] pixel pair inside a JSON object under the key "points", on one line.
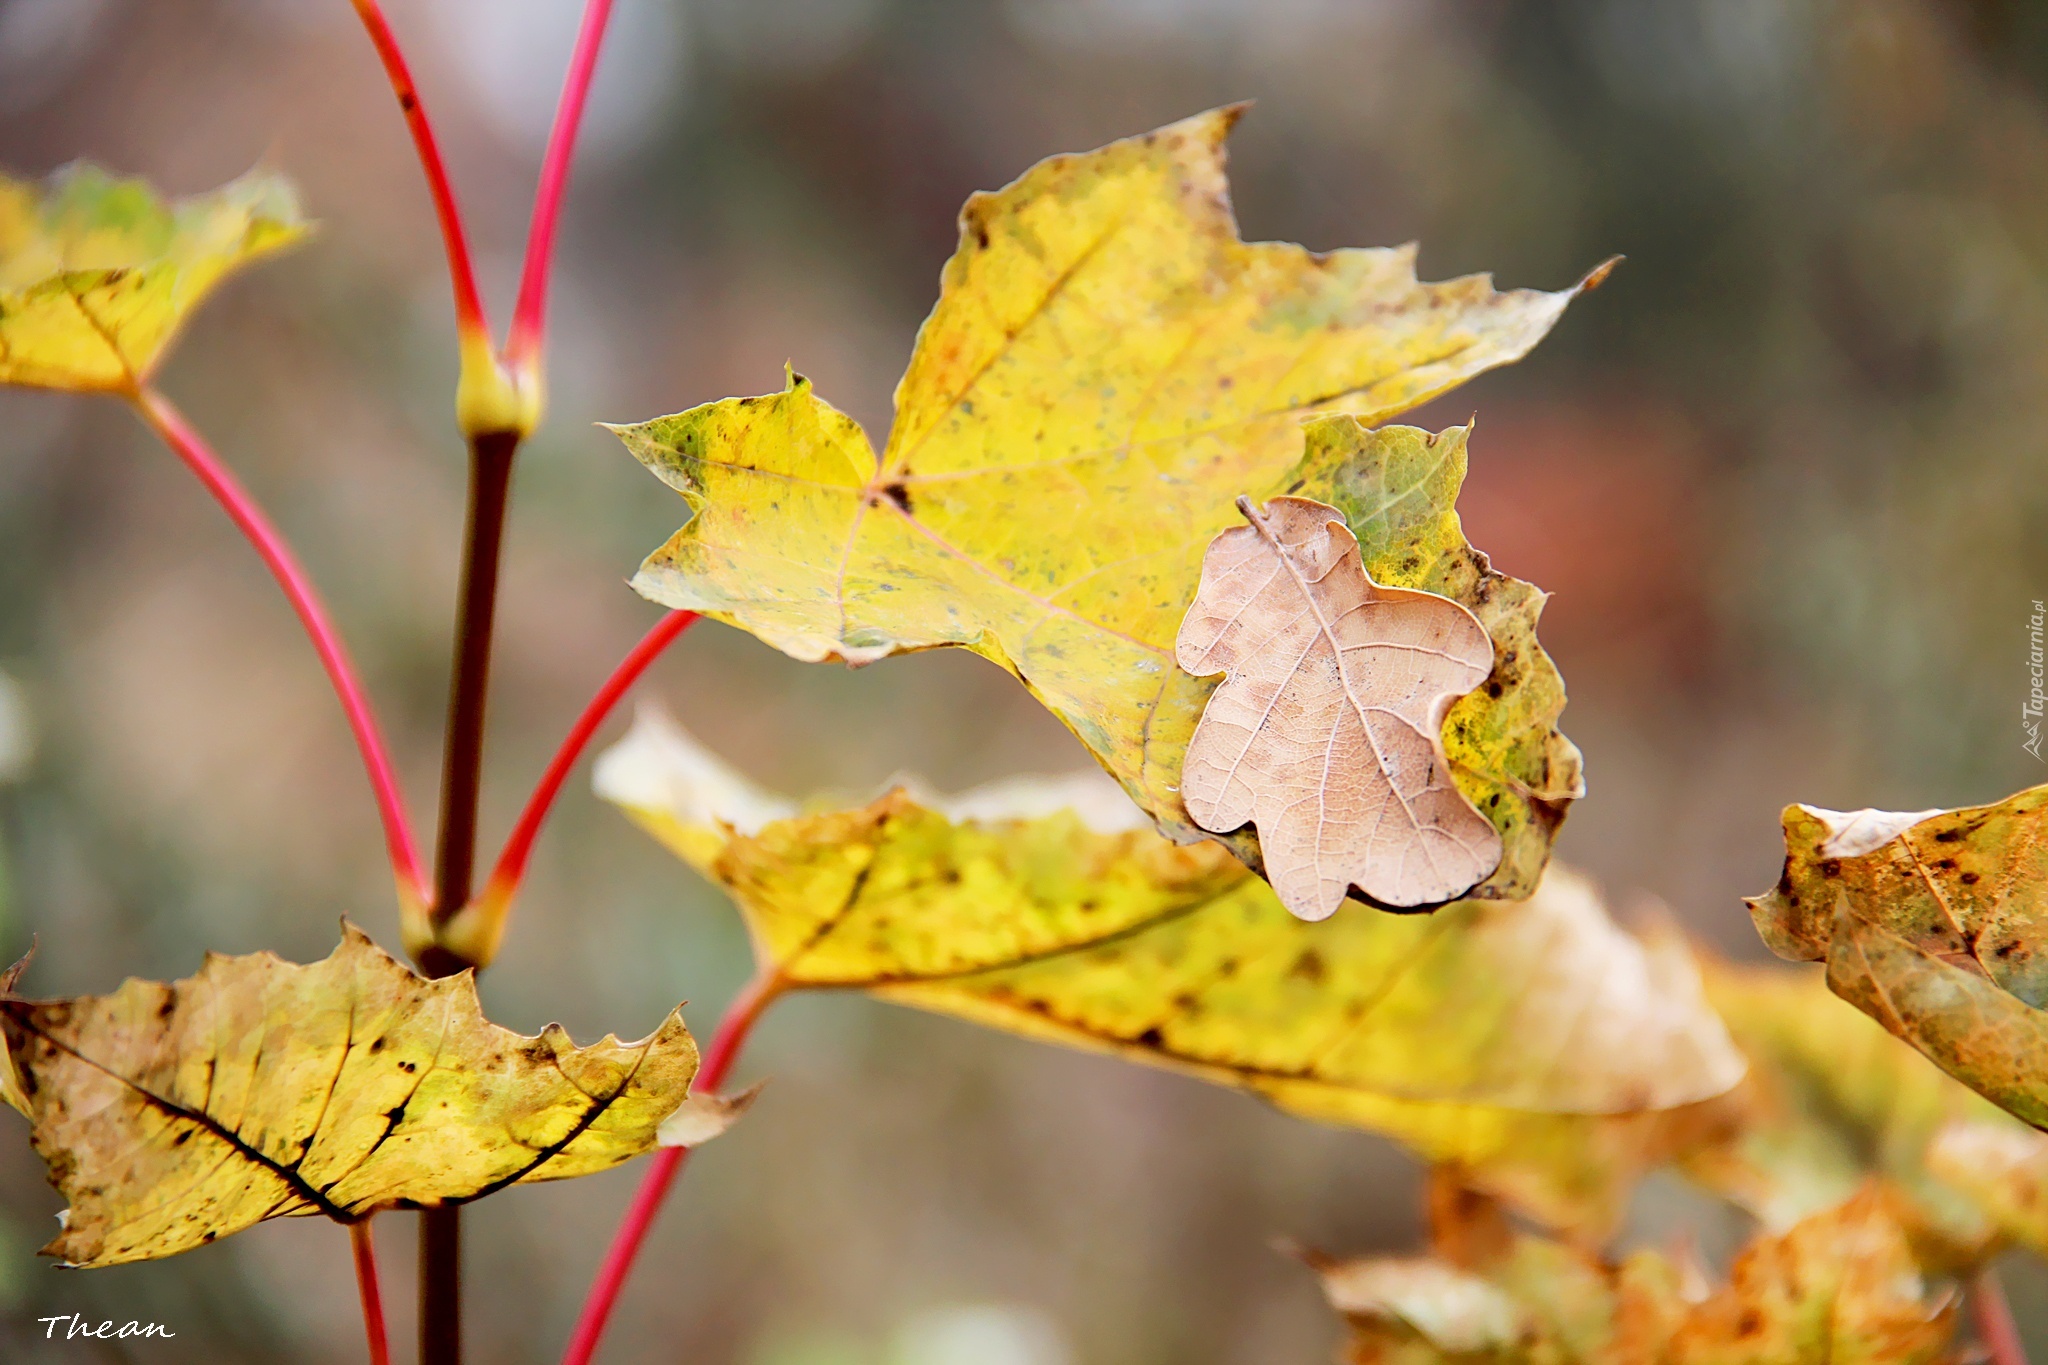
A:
{"points": [[1147, 469]]}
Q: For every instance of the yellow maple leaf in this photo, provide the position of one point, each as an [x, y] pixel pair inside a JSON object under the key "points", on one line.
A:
{"points": [[174, 1114], [1535, 1043], [97, 273], [1107, 368]]}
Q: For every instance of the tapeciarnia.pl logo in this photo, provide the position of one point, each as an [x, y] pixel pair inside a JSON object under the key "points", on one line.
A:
{"points": [[2030, 710]]}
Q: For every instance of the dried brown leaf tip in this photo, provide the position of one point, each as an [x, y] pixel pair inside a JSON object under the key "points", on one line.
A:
{"points": [[1327, 731]]}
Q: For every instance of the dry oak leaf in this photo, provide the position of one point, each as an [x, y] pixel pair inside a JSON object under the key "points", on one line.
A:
{"points": [[97, 273], [1107, 367], [1831, 1100], [1840, 1286], [1536, 1043], [1326, 733], [1934, 924], [171, 1115]]}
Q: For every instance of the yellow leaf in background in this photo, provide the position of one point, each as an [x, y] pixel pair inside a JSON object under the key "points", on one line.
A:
{"points": [[1833, 1099], [1934, 924], [1326, 732], [97, 273], [1838, 1288], [2004, 1167], [173, 1115], [1107, 368], [1535, 1043]]}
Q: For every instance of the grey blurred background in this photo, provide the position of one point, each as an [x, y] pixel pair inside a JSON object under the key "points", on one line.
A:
{"points": [[1784, 473]]}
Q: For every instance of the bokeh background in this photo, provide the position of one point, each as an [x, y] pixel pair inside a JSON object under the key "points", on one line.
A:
{"points": [[1784, 473]]}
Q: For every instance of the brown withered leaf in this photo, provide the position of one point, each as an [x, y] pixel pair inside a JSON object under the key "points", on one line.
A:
{"points": [[1932, 923], [1538, 1302], [1839, 1286], [1327, 732], [171, 1115]]}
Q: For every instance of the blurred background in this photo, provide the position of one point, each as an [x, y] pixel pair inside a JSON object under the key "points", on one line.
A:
{"points": [[1784, 473]]}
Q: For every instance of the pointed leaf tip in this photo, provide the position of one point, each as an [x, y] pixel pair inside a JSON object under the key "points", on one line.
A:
{"points": [[1597, 276], [701, 1117]]}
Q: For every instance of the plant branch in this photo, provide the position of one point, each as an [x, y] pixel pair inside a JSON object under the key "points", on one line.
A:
{"points": [[469, 304], [490, 486], [475, 931], [529, 317], [2000, 1334], [745, 1010], [495, 407], [179, 435], [373, 1298], [441, 1285]]}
